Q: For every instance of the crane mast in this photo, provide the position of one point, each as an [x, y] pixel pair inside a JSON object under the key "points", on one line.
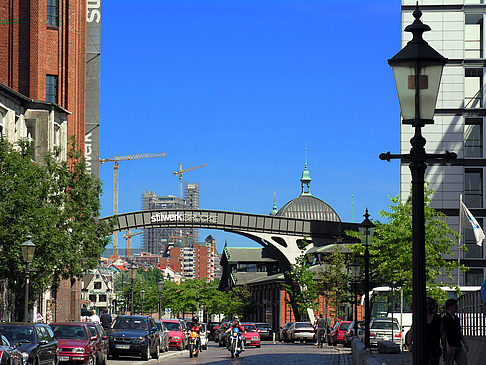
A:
{"points": [[181, 172], [115, 161]]}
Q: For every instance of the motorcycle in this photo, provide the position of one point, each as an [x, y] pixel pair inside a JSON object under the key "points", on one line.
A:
{"points": [[193, 344], [235, 343]]}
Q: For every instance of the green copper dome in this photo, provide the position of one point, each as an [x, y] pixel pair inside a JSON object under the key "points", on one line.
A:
{"points": [[274, 210]]}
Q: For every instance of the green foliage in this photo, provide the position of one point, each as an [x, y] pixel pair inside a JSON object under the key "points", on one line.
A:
{"points": [[58, 204], [333, 280], [391, 251]]}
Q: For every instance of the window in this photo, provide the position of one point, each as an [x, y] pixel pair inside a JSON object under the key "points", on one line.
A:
{"points": [[51, 88], [97, 285], [57, 135], [102, 298], [472, 36], [52, 13], [473, 93], [2, 121], [473, 250], [473, 137], [92, 298], [474, 277], [473, 189]]}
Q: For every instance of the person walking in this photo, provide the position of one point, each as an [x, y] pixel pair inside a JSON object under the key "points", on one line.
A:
{"points": [[106, 320], [453, 343]]}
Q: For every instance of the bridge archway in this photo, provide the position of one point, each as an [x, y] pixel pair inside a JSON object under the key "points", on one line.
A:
{"points": [[281, 233]]}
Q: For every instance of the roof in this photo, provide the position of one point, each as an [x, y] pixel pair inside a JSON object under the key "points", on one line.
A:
{"points": [[343, 248], [308, 207], [240, 278], [247, 254]]}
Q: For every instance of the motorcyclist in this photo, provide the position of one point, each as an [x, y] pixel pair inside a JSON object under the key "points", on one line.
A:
{"points": [[196, 327], [241, 331]]}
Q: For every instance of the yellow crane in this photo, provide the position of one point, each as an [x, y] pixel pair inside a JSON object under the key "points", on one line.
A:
{"points": [[116, 159], [186, 236], [128, 242], [181, 172]]}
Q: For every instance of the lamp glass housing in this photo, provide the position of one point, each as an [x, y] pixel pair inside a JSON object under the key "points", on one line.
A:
{"points": [[132, 272], [430, 74], [160, 286], [366, 231], [28, 249], [355, 269], [142, 294]]}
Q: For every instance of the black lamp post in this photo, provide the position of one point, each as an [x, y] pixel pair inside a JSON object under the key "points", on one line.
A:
{"points": [[355, 271], [132, 272], [142, 297], [418, 69], [366, 230], [160, 288], [28, 249]]}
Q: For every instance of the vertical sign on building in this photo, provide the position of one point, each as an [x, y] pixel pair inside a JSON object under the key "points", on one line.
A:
{"points": [[93, 52]]}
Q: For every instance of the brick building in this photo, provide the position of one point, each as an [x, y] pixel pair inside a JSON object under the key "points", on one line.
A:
{"points": [[43, 54]]}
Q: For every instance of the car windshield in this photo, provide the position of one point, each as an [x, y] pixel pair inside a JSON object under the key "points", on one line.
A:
{"points": [[173, 326], [69, 332], [263, 326], [302, 325], [124, 323], [344, 326], [18, 334], [249, 327], [384, 325]]}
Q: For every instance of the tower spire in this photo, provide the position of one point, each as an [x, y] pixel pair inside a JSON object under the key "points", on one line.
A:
{"points": [[274, 210], [305, 180]]}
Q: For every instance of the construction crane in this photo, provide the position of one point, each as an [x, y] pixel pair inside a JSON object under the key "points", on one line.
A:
{"points": [[116, 159], [128, 242], [181, 172], [186, 236]]}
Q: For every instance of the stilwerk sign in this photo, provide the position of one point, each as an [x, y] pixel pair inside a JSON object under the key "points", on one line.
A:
{"points": [[183, 217]]}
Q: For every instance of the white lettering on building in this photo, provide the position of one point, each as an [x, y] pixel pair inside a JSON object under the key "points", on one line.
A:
{"points": [[93, 11], [182, 217], [88, 151]]}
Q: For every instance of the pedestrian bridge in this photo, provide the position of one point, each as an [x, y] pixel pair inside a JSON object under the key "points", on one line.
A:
{"points": [[284, 234]]}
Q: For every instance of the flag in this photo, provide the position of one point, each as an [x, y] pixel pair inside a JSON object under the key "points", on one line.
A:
{"points": [[477, 230]]}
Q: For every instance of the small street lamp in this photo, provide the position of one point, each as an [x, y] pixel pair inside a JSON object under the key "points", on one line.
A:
{"points": [[366, 230], [132, 273], [28, 249], [417, 69], [355, 271], [142, 297], [160, 288]]}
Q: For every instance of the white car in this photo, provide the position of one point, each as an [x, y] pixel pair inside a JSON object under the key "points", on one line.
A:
{"points": [[301, 331], [203, 334]]}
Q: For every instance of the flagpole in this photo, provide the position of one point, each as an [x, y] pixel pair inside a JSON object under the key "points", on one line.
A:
{"points": [[460, 241]]}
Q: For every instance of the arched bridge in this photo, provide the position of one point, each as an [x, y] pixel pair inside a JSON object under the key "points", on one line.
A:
{"points": [[283, 234]]}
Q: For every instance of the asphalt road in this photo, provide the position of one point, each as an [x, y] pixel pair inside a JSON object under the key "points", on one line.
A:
{"points": [[268, 354]]}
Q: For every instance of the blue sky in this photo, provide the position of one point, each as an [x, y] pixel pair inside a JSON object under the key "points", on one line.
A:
{"points": [[245, 86]]}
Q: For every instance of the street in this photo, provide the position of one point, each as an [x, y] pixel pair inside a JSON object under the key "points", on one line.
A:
{"points": [[268, 354]]}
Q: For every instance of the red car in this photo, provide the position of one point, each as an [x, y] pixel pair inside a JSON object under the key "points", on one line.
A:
{"points": [[177, 335], [337, 334], [252, 337], [75, 343]]}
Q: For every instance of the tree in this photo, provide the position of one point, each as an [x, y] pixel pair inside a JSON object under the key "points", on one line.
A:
{"points": [[391, 250], [301, 286], [58, 204]]}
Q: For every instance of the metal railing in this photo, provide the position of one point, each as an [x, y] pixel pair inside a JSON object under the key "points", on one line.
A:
{"points": [[472, 314]]}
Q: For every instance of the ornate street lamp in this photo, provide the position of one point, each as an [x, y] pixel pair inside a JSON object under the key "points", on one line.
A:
{"points": [[418, 69], [366, 230], [132, 273], [355, 271], [142, 297], [160, 288], [28, 249]]}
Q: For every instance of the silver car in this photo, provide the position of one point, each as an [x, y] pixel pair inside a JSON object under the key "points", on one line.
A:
{"points": [[381, 330], [301, 331]]}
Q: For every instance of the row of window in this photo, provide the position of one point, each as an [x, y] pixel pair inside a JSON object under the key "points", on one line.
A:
{"points": [[97, 298]]}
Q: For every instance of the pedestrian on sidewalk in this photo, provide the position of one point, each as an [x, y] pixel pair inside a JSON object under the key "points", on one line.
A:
{"points": [[453, 343]]}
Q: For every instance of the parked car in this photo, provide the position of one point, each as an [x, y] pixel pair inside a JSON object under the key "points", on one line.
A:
{"points": [[265, 331], [134, 335], [36, 341], [76, 343], [381, 330], [349, 334], [337, 334], [252, 336], [301, 331], [102, 344], [283, 331], [163, 336], [9, 354], [204, 336], [177, 334]]}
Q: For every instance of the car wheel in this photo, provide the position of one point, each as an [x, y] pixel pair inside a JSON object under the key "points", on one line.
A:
{"points": [[258, 346], [146, 353], [155, 354], [91, 360]]}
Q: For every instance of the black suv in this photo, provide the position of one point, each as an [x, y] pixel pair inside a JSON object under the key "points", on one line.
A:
{"points": [[35, 341], [265, 331], [134, 335]]}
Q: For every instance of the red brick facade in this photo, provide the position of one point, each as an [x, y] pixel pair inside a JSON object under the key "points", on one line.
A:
{"points": [[30, 50]]}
